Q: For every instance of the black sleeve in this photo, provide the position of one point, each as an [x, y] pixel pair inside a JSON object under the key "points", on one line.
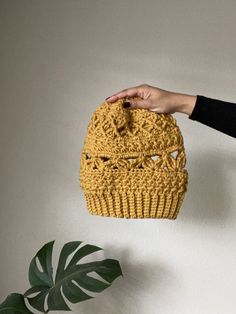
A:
{"points": [[215, 113]]}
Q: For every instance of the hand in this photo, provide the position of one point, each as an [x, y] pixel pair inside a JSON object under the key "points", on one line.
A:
{"points": [[156, 99]]}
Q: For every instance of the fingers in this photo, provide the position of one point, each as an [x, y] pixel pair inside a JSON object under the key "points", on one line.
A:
{"points": [[129, 92], [136, 91], [139, 103]]}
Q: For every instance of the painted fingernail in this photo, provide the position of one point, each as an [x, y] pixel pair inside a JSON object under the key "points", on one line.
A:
{"points": [[126, 104]]}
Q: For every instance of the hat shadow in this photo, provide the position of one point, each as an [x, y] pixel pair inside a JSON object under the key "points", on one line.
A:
{"points": [[208, 195]]}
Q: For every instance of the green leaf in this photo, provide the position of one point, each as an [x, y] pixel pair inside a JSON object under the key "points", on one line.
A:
{"points": [[36, 277], [14, 304], [71, 277], [38, 301]]}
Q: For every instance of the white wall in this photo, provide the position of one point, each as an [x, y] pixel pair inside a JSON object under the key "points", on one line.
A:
{"points": [[59, 60]]}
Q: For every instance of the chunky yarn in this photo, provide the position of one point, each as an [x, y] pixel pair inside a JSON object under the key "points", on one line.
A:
{"points": [[132, 163]]}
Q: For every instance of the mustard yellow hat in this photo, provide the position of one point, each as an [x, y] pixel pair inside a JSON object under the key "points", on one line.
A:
{"points": [[132, 163]]}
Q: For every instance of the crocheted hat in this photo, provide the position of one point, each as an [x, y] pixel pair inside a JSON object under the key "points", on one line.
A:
{"points": [[132, 163]]}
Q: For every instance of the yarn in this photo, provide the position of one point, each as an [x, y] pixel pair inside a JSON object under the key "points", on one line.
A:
{"points": [[133, 163]]}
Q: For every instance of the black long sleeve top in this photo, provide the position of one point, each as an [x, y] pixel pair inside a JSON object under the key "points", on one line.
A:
{"points": [[215, 113]]}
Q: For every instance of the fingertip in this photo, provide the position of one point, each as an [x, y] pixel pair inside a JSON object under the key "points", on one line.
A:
{"points": [[111, 98]]}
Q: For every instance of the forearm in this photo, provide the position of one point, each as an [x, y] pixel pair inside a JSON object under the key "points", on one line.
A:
{"points": [[184, 102], [215, 113]]}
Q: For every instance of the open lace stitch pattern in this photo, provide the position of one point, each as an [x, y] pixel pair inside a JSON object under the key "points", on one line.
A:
{"points": [[132, 163]]}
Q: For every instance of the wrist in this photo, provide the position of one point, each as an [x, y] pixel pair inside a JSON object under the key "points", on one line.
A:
{"points": [[186, 103]]}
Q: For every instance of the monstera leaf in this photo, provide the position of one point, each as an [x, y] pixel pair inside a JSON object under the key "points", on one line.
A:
{"points": [[70, 276], [14, 303]]}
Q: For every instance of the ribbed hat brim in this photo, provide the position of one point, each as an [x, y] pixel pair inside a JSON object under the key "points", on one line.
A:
{"points": [[132, 204]]}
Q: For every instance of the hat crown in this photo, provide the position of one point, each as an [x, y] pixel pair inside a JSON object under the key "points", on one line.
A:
{"points": [[133, 155], [116, 130]]}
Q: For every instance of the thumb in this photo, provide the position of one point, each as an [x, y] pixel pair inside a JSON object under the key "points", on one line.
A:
{"points": [[139, 103]]}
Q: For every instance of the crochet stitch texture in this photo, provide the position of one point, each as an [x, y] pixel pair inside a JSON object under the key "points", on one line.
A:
{"points": [[132, 163]]}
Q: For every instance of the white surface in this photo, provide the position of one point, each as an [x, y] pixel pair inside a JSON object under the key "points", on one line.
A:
{"points": [[59, 60]]}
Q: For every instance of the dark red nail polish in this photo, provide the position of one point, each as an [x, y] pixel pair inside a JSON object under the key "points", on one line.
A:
{"points": [[109, 97], [126, 104]]}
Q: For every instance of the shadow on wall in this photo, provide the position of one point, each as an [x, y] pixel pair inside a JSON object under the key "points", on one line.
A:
{"points": [[209, 192], [142, 284]]}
